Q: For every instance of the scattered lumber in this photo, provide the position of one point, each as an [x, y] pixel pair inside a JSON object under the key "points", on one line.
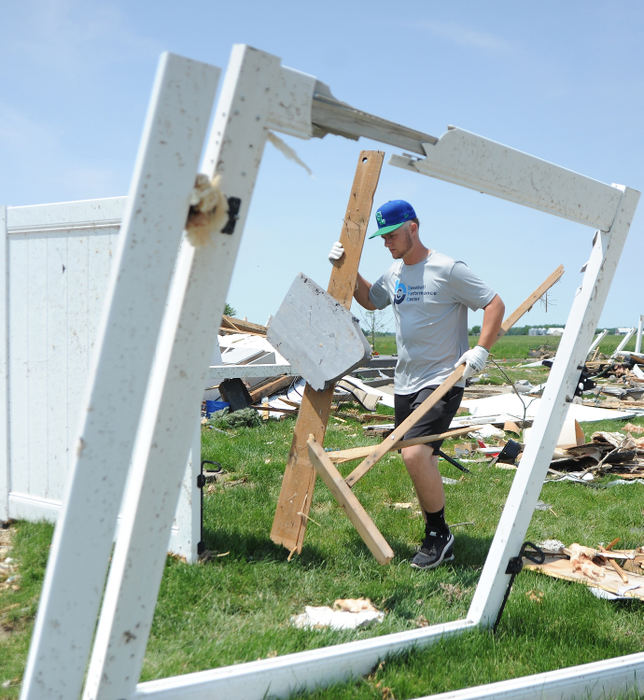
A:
{"points": [[230, 324], [270, 387], [605, 453], [618, 572]]}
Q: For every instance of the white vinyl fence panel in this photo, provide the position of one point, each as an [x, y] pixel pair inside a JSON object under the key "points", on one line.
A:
{"points": [[55, 262]]}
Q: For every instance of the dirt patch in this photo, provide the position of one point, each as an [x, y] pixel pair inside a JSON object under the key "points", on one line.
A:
{"points": [[8, 566], [6, 537], [8, 576]]}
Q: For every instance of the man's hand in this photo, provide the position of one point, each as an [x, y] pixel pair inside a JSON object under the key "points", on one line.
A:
{"points": [[336, 252], [474, 361]]}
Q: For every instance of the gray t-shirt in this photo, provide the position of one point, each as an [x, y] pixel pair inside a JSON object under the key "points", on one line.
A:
{"points": [[430, 302]]}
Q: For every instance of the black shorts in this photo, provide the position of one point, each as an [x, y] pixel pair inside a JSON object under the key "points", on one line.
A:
{"points": [[436, 420]]}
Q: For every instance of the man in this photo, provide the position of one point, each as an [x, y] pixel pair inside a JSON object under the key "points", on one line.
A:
{"points": [[431, 294]]}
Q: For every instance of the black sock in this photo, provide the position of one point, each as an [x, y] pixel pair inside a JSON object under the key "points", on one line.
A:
{"points": [[436, 522]]}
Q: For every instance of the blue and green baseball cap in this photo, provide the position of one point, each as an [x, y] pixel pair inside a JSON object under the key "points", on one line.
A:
{"points": [[393, 215]]}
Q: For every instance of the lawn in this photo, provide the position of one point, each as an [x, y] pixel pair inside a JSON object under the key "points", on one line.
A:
{"points": [[511, 346], [237, 604]]}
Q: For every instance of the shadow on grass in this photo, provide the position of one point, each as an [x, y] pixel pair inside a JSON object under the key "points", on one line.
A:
{"points": [[470, 552], [256, 547]]}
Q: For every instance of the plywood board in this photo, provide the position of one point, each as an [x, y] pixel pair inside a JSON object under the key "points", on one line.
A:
{"points": [[317, 334]]}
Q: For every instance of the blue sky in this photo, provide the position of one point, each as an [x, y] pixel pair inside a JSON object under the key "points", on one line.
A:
{"points": [[561, 80]]}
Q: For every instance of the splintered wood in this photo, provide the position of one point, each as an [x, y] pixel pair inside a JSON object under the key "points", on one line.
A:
{"points": [[294, 503], [607, 453], [618, 572]]}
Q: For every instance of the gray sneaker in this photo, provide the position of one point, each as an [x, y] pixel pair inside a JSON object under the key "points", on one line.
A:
{"points": [[435, 549]]}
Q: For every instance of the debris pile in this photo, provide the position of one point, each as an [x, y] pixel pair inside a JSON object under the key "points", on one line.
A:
{"points": [[617, 382], [616, 453], [609, 388], [243, 343], [608, 572]]}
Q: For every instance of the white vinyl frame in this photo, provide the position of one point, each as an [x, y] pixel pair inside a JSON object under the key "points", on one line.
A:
{"points": [[258, 95], [145, 258]]}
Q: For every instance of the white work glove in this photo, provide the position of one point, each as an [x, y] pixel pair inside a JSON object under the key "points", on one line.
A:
{"points": [[336, 252], [474, 361]]}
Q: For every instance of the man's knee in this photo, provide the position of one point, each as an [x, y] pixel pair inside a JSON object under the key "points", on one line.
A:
{"points": [[418, 457]]}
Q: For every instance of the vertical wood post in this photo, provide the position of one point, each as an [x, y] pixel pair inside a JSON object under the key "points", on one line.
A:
{"points": [[289, 524]]}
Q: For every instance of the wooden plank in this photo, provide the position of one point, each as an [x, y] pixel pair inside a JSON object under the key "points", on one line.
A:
{"points": [[270, 387], [340, 456], [530, 301], [230, 324], [610, 581], [289, 524], [358, 516], [393, 440]]}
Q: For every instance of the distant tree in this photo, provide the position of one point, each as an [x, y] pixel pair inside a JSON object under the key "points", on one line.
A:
{"points": [[229, 310], [373, 322], [475, 330]]}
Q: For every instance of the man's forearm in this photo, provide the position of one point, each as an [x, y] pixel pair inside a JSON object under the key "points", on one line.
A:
{"points": [[492, 320], [361, 293]]}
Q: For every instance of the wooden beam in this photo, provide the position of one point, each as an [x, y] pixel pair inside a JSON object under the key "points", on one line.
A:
{"points": [[393, 440], [531, 300], [230, 324], [358, 516], [341, 456], [289, 524], [270, 386]]}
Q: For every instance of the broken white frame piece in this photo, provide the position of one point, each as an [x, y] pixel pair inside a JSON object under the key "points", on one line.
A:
{"points": [[638, 338], [597, 341], [623, 342], [606, 678], [258, 94], [487, 166], [156, 211]]}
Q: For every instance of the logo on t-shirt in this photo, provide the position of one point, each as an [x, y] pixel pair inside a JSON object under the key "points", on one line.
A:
{"points": [[400, 292]]}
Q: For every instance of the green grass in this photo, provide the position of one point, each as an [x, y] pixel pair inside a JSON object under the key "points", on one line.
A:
{"points": [[237, 605], [512, 346]]}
